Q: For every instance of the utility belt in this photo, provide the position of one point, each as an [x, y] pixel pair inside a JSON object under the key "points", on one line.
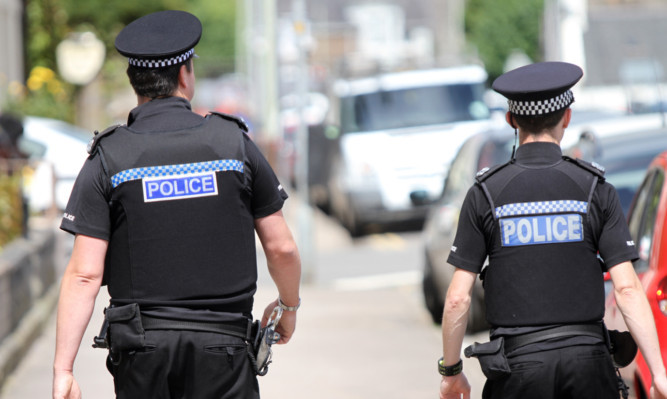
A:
{"points": [[124, 330], [492, 355]]}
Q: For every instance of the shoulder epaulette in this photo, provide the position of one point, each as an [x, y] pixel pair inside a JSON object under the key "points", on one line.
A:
{"points": [[236, 119], [592, 167], [487, 172], [92, 144]]}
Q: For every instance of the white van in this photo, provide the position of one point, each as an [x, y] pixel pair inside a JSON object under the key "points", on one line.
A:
{"points": [[398, 134]]}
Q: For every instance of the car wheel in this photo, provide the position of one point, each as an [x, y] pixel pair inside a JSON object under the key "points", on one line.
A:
{"points": [[432, 298], [352, 224]]}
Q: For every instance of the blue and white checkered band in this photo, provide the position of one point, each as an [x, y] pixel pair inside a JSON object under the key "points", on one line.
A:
{"points": [[541, 207], [541, 107], [545, 222], [161, 63], [222, 165]]}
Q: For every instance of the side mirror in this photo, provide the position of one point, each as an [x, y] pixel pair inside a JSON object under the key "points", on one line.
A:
{"points": [[421, 198]]}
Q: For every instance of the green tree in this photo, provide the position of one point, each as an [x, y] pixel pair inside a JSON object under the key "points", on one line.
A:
{"points": [[50, 21], [216, 47], [496, 28]]}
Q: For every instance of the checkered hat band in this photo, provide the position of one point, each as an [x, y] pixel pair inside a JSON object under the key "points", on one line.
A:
{"points": [[222, 165], [541, 107], [153, 63], [541, 207]]}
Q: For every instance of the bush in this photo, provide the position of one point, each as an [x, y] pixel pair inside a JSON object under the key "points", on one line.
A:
{"points": [[11, 202]]}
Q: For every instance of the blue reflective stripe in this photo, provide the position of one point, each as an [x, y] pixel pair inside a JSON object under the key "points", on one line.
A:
{"points": [[173, 170], [541, 207]]}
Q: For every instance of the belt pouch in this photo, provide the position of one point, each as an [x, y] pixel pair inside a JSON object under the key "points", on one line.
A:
{"points": [[491, 356], [126, 332], [623, 347]]}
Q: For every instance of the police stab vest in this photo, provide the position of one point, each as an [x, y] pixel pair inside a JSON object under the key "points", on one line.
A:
{"points": [[182, 224], [543, 266]]}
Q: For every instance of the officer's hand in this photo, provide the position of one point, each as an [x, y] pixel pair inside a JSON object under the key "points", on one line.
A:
{"points": [[65, 386], [286, 325], [455, 386], [659, 387]]}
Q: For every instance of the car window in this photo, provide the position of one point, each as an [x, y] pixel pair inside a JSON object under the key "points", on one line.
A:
{"points": [[495, 152], [417, 106], [643, 218], [471, 158], [460, 176]]}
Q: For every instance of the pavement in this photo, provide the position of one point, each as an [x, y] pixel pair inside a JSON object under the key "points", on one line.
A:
{"points": [[349, 343]]}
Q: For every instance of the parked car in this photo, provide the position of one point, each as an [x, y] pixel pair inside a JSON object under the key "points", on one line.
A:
{"points": [[479, 151], [398, 134], [57, 150], [647, 221], [625, 157]]}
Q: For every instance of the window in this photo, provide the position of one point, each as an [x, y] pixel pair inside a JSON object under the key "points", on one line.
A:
{"points": [[643, 217], [418, 106]]}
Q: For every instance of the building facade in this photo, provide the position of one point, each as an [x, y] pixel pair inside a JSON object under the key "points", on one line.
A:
{"points": [[11, 44]]}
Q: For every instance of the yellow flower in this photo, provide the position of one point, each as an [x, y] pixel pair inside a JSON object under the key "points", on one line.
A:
{"points": [[34, 83], [43, 73], [54, 86]]}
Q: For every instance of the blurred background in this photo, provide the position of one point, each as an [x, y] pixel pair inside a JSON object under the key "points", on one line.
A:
{"points": [[375, 114]]}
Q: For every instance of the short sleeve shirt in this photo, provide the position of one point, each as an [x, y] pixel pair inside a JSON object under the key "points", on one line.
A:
{"points": [[88, 210], [475, 227]]}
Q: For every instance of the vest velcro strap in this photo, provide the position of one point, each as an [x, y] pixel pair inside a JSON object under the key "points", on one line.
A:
{"points": [[592, 330], [240, 329]]}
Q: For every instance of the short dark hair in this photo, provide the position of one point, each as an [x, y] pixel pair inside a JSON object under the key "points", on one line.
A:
{"points": [[539, 123], [156, 82]]}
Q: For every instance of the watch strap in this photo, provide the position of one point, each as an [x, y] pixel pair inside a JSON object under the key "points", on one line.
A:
{"points": [[452, 370], [288, 308]]}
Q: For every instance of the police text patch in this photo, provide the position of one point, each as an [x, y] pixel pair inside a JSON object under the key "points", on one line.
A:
{"points": [[179, 187], [547, 222]]}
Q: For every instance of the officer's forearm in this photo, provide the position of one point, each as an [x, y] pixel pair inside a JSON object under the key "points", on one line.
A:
{"points": [[285, 269], [75, 307], [455, 315], [637, 314], [80, 285], [282, 256]]}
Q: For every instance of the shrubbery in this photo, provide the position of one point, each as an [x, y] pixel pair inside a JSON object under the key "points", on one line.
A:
{"points": [[11, 203]]}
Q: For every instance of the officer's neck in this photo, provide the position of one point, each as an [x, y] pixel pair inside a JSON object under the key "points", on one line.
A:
{"points": [[547, 136], [143, 100]]}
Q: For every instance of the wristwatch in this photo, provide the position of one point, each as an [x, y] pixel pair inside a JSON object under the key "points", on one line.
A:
{"points": [[288, 308], [449, 371]]}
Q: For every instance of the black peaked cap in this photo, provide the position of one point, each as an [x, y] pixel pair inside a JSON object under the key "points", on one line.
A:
{"points": [[160, 36], [539, 89], [539, 81]]}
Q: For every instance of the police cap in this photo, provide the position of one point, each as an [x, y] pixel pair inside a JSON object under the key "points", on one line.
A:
{"points": [[160, 39], [540, 88]]}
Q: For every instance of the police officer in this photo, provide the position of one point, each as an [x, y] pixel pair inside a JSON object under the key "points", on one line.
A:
{"points": [[165, 211], [541, 220]]}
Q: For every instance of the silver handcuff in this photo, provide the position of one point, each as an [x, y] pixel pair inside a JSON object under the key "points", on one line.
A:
{"points": [[268, 337]]}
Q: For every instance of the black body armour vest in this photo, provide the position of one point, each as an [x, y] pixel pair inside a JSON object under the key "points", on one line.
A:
{"points": [[182, 225], [543, 267]]}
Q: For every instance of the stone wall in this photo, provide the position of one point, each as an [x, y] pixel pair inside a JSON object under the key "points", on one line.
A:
{"points": [[28, 292]]}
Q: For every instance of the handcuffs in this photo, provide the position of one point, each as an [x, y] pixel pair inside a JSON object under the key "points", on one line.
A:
{"points": [[266, 337]]}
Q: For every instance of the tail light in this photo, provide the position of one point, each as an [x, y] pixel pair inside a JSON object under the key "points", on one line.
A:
{"points": [[661, 296]]}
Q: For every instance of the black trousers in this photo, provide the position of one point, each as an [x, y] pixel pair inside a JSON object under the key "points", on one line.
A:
{"points": [[185, 364], [584, 371]]}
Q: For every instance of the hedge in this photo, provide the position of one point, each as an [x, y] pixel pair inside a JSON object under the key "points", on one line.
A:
{"points": [[11, 201]]}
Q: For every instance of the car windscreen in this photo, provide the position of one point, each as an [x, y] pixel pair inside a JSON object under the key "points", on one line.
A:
{"points": [[417, 106]]}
